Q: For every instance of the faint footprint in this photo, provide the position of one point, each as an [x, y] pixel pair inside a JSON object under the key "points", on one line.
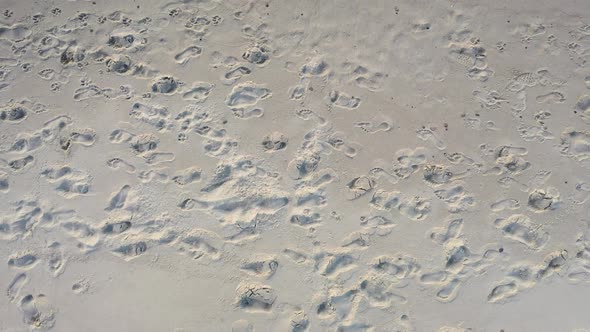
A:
{"points": [[343, 100], [502, 292], [16, 286], [81, 286], [118, 199], [24, 261], [554, 97], [187, 54], [37, 312], [505, 204], [427, 134], [371, 128]]}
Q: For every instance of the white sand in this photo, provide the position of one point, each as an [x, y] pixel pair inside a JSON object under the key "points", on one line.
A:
{"points": [[205, 165]]}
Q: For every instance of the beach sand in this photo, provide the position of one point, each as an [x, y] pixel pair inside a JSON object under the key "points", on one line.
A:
{"points": [[337, 165]]}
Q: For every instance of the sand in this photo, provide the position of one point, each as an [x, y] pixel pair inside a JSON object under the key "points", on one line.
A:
{"points": [[338, 165]]}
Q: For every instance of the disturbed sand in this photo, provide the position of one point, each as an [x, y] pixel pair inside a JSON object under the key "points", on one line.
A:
{"points": [[339, 165]]}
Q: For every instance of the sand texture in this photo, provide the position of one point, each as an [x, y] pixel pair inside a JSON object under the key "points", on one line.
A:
{"points": [[299, 166]]}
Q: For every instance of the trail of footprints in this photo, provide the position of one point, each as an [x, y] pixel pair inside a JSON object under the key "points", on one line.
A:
{"points": [[408, 186]]}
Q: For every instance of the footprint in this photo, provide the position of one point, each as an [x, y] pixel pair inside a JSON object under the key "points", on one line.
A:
{"points": [[202, 244], [199, 92], [453, 230], [80, 286], [359, 186], [505, 204], [337, 306], [242, 113], [56, 261], [4, 182], [307, 114], [448, 292], [246, 94], [379, 290], [434, 277], [380, 222], [118, 199], [437, 174], [415, 208], [456, 257], [336, 142], [510, 158], [385, 200], [233, 75], [154, 158], [118, 163], [16, 286], [343, 100], [294, 255], [36, 312], [297, 92], [502, 292], [408, 161], [303, 165], [582, 108], [13, 114], [85, 234], [575, 144], [315, 66], [189, 204], [154, 115], [539, 178], [116, 227], [152, 175], [534, 133], [333, 264], [131, 251], [121, 40], [274, 142], [357, 239], [15, 33], [24, 261], [85, 137], [21, 164], [255, 297], [262, 267], [582, 193], [187, 54], [143, 144], [165, 85], [552, 263], [400, 266], [257, 54], [71, 183], [520, 228], [25, 143], [120, 64], [541, 200], [119, 136], [298, 322], [428, 134], [371, 128], [306, 219], [187, 176], [554, 97], [366, 79]]}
